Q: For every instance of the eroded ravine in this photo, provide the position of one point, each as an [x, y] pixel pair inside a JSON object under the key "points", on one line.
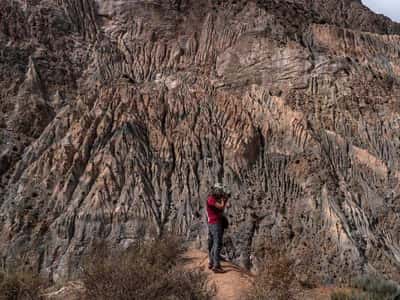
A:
{"points": [[117, 117]]}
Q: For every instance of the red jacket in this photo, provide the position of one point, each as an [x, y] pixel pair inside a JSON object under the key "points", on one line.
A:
{"points": [[214, 214]]}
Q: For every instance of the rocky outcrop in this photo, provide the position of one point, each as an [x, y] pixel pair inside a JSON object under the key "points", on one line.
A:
{"points": [[351, 14], [295, 108]]}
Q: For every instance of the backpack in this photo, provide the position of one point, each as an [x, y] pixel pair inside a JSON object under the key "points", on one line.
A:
{"points": [[224, 222]]}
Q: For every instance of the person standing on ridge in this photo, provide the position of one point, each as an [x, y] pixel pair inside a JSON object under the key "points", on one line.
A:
{"points": [[216, 203]]}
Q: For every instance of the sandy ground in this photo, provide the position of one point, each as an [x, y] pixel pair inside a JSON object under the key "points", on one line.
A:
{"points": [[232, 285]]}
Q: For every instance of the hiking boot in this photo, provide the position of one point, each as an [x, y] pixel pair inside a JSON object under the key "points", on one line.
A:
{"points": [[210, 266], [222, 258], [218, 270]]}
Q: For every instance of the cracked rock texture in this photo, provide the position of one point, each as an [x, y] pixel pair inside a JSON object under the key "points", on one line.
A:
{"points": [[117, 116]]}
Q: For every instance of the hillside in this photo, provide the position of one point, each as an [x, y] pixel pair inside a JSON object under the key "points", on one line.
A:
{"points": [[116, 117]]}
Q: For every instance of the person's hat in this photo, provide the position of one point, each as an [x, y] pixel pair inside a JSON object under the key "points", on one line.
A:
{"points": [[221, 189], [218, 189], [219, 186]]}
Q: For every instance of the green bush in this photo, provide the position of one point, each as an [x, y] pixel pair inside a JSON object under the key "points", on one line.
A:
{"points": [[370, 288], [148, 270], [377, 287]]}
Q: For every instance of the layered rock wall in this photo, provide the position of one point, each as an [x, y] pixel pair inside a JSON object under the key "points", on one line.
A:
{"points": [[122, 114]]}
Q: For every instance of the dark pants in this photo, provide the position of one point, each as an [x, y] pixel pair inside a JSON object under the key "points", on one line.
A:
{"points": [[215, 235]]}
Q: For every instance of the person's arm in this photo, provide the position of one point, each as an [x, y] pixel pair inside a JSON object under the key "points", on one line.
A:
{"points": [[227, 203], [220, 205], [213, 202]]}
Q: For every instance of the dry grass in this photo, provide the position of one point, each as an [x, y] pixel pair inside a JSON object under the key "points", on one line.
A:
{"points": [[148, 270], [20, 285], [370, 288], [276, 279]]}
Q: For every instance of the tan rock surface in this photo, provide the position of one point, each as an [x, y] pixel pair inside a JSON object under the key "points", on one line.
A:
{"points": [[117, 116]]}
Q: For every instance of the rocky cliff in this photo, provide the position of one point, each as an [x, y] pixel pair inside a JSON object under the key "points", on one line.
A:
{"points": [[117, 116]]}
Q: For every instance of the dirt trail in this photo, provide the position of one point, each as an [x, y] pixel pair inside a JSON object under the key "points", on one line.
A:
{"points": [[232, 285], [236, 282]]}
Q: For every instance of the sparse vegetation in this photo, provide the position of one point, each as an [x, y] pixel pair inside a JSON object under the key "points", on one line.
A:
{"points": [[148, 270], [370, 288], [276, 279], [20, 285]]}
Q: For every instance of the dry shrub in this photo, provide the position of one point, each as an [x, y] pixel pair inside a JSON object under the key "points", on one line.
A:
{"points": [[148, 270], [349, 296], [276, 278], [370, 288], [20, 285]]}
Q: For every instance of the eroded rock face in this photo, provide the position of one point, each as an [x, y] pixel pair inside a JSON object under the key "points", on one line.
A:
{"points": [[117, 116]]}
